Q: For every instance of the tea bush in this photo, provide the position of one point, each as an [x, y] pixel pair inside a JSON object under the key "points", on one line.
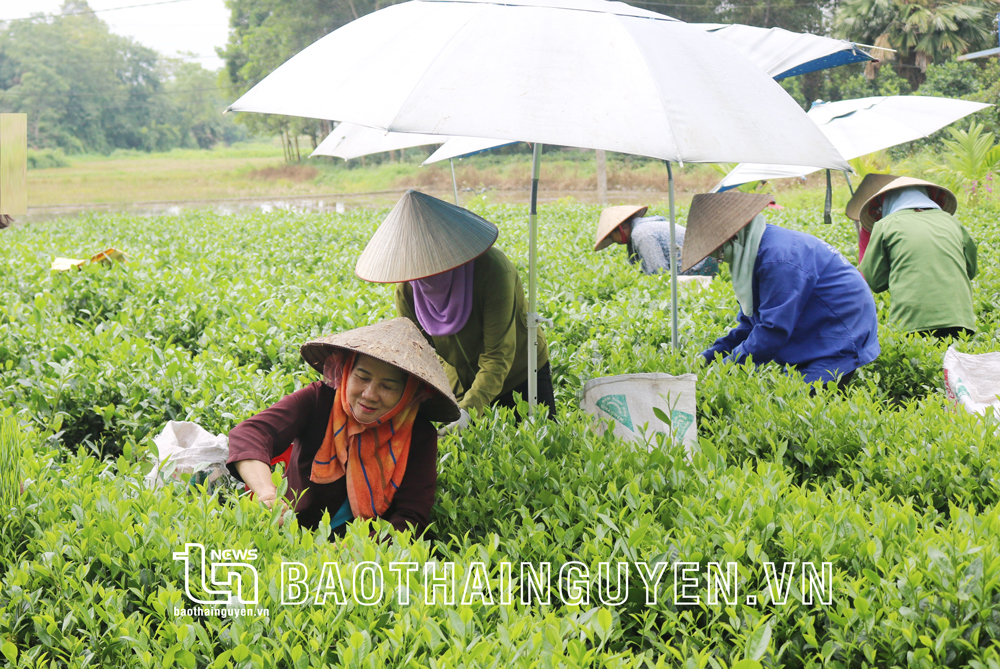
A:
{"points": [[886, 482]]}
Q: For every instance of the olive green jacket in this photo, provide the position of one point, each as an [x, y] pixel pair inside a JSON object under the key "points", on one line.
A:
{"points": [[489, 356], [927, 261]]}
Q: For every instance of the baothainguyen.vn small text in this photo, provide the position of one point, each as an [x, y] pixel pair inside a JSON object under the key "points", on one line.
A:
{"points": [[223, 612]]}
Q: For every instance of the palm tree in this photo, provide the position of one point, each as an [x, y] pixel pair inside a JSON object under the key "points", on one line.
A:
{"points": [[920, 31]]}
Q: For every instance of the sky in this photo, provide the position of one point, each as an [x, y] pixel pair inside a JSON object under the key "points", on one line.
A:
{"points": [[169, 26]]}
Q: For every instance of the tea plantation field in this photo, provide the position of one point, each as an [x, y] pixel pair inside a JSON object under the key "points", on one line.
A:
{"points": [[887, 483]]}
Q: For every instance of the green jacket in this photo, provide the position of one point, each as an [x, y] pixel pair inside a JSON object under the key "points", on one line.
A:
{"points": [[927, 261], [489, 356]]}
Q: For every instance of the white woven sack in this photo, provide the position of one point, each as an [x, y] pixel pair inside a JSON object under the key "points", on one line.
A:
{"points": [[629, 400], [694, 281], [190, 447], [973, 381]]}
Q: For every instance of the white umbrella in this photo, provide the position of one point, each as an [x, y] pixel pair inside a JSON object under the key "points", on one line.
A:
{"points": [[457, 147], [862, 126], [350, 140], [783, 53], [780, 53], [583, 73], [580, 73]]}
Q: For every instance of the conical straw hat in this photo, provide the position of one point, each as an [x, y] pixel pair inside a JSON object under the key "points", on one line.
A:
{"points": [[871, 207], [870, 185], [714, 218], [399, 343], [423, 236], [611, 218]]}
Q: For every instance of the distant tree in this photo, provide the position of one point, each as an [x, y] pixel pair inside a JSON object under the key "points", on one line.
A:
{"points": [[87, 89], [977, 80], [263, 34], [63, 71], [920, 31], [197, 103], [843, 83]]}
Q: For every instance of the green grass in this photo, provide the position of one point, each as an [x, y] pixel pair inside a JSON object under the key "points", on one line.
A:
{"points": [[258, 169], [268, 148]]}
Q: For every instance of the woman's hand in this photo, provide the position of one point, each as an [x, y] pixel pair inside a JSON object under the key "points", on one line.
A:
{"points": [[267, 497], [457, 426], [268, 500], [257, 476]]}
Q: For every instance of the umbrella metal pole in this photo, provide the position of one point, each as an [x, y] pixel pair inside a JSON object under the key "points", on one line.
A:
{"points": [[828, 203], [536, 157], [673, 261], [454, 184], [850, 187]]}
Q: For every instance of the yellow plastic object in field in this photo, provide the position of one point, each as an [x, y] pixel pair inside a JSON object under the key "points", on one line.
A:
{"points": [[13, 164], [65, 264], [106, 256]]}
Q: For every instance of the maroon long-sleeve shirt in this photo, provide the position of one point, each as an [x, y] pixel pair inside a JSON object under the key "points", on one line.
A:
{"points": [[301, 419]]}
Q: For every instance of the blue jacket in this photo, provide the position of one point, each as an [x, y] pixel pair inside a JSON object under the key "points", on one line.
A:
{"points": [[813, 310]]}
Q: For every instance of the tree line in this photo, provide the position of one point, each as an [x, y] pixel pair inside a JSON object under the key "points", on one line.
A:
{"points": [[86, 89]]}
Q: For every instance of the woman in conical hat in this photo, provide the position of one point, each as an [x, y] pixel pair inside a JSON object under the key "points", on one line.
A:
{"points": [[801, 303], [464, 294], [362, 443], [918, 251], [647, 240]]}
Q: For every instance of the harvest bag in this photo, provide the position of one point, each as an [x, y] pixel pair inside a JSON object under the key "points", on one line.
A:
{"points": [[973, 381], [629, 400], [192, 450]]}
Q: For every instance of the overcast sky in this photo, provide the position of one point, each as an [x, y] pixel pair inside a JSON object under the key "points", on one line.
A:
{"points": [[169, 26]]}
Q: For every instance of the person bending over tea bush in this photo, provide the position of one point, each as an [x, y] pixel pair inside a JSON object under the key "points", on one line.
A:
{"points": [[801, 303], [647, 240], [362, 444], [464, 294], [918, 251]]}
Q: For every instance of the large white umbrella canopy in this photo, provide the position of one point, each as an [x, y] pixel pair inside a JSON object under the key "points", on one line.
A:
{"points": [[584, 73], [862, 126], [779, 53]]}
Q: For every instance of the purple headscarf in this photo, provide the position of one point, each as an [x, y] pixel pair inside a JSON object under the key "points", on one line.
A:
{"points": [[444, 301]]}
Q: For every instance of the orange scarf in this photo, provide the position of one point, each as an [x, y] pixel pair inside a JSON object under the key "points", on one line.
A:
{"points": [[372, 455]]}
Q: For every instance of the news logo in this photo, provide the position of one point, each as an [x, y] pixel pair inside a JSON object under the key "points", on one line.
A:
{"points": [[231, 579]]}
